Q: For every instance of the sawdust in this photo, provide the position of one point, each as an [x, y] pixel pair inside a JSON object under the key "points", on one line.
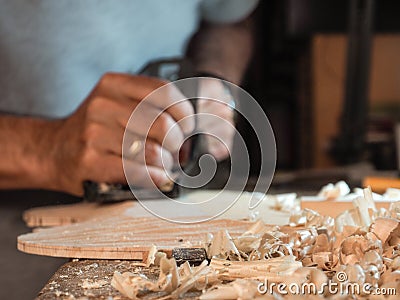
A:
{"points": [[362, 243]]}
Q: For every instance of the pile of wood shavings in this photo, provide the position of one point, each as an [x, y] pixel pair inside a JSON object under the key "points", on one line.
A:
{"points": [[363, 243]]}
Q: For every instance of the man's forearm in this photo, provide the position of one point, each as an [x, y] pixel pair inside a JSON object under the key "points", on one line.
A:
{"points": [[222, 50], [22, 162]]}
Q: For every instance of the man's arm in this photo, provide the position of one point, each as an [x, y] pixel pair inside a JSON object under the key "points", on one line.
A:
{"points": [[23, 162], [222, 49]]}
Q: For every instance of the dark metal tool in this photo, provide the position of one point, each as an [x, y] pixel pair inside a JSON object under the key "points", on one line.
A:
{"points": [[195, 256], [105, 192]]}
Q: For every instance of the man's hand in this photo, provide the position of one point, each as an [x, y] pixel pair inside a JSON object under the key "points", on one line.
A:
{"points": [[88, 144], [215, 107]]}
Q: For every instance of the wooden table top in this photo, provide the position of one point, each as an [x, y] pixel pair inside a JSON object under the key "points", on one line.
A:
{"points": [[90, 279]]}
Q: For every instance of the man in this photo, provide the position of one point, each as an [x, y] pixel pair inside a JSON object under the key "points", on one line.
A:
{"points": [[53, 52]]}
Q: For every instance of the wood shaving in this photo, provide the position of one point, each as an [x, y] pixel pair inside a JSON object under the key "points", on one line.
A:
{"points": [[222, 245], [154, 257], [151, 256], [172, 281], [362, 243], [283, 202], [275, 269], [333, 191], [238, 289], [88, 284]]}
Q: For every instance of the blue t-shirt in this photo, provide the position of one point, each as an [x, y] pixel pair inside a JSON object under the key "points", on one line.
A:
{"points": [[52, 52]]}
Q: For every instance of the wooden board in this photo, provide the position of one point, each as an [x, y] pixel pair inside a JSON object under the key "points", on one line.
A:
{"points": [[50, 216], [58, 215], [334, 208], [67, 214], [121, 237], [128, 230]]}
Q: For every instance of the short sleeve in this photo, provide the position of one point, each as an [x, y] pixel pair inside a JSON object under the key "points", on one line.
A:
{"points": [[226, 11]]}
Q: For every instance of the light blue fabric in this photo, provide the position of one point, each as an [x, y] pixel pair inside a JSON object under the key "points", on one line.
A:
{"points": [[52, 52], [226, 11]]}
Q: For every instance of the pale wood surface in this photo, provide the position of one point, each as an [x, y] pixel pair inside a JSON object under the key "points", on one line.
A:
{"points": [[121, 237], [334, 208], [58, 215], [68, 214], [129, 230]]}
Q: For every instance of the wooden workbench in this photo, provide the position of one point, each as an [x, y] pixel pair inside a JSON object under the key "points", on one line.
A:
{"points": [[90, 279], [70, 280]]}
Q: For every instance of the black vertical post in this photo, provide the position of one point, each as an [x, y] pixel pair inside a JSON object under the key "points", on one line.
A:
{"points": [[350, 143]]}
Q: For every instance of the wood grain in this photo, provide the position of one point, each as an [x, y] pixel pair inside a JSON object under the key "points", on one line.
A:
{"points": [[67, 214], [58, 215], [127, 230], [121, 237], [334, 208]]}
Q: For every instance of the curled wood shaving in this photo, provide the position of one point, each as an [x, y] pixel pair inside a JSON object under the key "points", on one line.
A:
{"points": [[387, 230], [223, 246], [172, 281], [307, 275], [238, 289], [333, 191], [259, 228], [151, 256], [154, 257], [394, 210], [355, 273], [130, 285], [168, 280], [247, 243], [391, 193], [197, 279], [275, 269], [283, 202]]}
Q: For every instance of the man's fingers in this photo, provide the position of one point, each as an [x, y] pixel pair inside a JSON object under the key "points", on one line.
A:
{"points": [[111, 170], [150, 122], [157, 156], [110, 112], [110, 140], [102, 167], [127, 88], [147, 121], [147, 153], [145, 176], [169, 98]]}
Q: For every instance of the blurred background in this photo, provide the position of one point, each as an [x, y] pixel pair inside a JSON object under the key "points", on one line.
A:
{"points": [[327, 73]]}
